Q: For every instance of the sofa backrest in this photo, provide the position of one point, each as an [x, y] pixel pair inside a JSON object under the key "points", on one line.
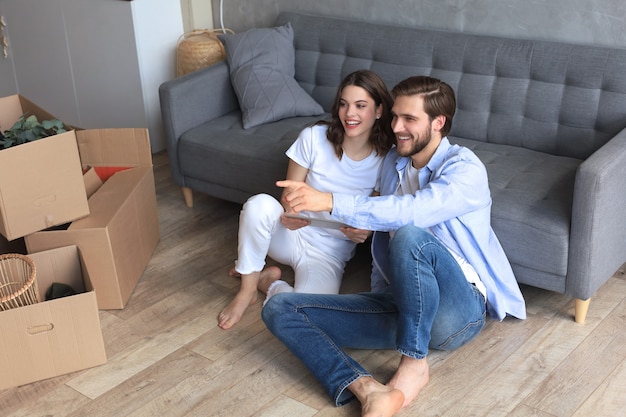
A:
{"points": [[552, 97]]}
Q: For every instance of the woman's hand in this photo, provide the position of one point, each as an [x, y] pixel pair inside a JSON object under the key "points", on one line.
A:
{"points": [[293, 224], [356, 235]]}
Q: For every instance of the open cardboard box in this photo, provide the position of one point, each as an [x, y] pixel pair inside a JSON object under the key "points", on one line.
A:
{"points": [[122, 230], [55, 337], [41, 182]]}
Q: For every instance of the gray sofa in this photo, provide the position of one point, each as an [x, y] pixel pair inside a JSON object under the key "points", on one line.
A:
{"points": [[547, 119]]}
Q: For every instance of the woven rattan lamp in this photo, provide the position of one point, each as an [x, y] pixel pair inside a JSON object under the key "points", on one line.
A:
{"points": [[198, 49]]}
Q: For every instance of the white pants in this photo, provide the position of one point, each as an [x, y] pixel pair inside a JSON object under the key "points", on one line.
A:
{"points": [[261, 234]]}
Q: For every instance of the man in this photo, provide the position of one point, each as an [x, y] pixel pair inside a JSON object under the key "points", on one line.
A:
{"points": [[437, 264]]}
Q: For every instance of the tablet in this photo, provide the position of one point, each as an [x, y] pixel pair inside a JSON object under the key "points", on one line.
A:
{"points": [[325, 223]]}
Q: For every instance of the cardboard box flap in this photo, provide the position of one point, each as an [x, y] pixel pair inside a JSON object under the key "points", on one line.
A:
{"points": [[110, 198], [11, 111], [4, 222], [114, 147], [60, 265], [12, 107], [92, 181], [94, 248]]}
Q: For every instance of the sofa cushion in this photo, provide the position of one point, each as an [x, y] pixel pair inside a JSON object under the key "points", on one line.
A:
{"points": [[262, 69], [532, 195], [223, 149]]}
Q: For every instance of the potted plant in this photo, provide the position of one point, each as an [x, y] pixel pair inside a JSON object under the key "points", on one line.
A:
{"points": [[27, 129]]}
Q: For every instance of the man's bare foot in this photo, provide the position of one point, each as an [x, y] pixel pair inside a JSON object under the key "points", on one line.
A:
{"points": [[412, 375], [377, 400], [246, 296], [268, 276]]}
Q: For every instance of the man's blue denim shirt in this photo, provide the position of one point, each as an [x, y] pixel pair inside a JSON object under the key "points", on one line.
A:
{"points": [[454, 202]]}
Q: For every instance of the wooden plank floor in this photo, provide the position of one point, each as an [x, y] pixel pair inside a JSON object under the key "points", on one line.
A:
{"points": [[167, 357]]}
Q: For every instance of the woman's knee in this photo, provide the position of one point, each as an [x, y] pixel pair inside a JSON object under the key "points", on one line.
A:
{"points": [[261, 202], [260, 205]]}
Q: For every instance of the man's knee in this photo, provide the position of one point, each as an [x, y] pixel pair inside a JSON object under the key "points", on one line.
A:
{"points": [[452, 334], [409, 234]]}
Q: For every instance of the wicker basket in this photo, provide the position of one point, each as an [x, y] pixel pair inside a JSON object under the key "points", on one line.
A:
{"points": [[18, 284], [198, 49]]}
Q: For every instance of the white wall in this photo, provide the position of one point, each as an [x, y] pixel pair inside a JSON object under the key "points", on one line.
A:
{"points": [[158, 25], [197, 14]]}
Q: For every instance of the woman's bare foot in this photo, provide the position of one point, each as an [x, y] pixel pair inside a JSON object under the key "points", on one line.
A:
{"points": [[412, 375], [268, 276], [233, 273], [377, 400], [246, 296]]}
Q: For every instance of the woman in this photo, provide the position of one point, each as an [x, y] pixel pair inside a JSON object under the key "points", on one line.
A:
{"points": [[343, 155]]}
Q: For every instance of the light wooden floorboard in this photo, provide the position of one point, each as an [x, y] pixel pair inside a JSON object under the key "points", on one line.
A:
{"points": [[167, 357]]}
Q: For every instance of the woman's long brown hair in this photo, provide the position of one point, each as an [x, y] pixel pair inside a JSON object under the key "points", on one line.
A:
{"points": [[381, 137]]}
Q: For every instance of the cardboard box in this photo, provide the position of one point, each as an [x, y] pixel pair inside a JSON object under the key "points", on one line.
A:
{"points": [[53, 337], [118, 237], [41, 182]]}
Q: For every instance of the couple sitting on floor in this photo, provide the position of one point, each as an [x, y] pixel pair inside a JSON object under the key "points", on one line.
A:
{"points": [[438, 267]]}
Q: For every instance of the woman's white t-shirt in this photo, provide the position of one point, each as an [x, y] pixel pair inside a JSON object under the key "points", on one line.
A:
{"points": [[328, 173]]}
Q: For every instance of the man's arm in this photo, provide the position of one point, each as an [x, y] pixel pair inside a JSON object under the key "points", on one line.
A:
{"points": [[298, 173], [295, 172], [457, 189], [299, 196]]}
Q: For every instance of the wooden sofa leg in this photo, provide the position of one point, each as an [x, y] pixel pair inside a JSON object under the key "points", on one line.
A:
{"points": [[188, 194], [580, 310]]}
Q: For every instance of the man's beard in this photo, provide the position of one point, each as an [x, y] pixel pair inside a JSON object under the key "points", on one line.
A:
{"points": [[418, 145]]}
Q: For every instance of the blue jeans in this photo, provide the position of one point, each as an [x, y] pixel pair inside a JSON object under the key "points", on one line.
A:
{"points": [[428, 304]]}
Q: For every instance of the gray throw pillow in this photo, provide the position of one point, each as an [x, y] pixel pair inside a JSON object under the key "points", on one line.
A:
{"points": [[262, 69]]}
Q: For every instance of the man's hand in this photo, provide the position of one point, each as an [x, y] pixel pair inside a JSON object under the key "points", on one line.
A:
{"points": [[299, 196]]}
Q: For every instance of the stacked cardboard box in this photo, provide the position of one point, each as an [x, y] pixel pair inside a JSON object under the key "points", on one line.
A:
{"points": [[41, 184], [122, 230], [53, 337], [92, 190]]}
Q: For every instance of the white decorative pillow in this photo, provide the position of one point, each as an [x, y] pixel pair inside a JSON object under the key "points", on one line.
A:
{"points": [[262, 69]]}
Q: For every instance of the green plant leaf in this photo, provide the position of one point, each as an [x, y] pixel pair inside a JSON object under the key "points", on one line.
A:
{"points": [[7, 143], [31, 122], [18, 125], [52, 124], [28, 129]]}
